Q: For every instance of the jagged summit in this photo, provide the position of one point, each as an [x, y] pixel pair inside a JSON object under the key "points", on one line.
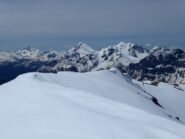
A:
{"points": [[129, 45], [82, 49], [168, 51], [29, 48], [125, 44], [131, 48], [82, 45], [155, 48], [28, 52]]}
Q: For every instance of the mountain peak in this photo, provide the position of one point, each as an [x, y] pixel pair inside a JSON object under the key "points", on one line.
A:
{"points": [[154, 49], [125, 44], [82, 45], [162, 51], [82, 49], [28, 52], [29, 48]]}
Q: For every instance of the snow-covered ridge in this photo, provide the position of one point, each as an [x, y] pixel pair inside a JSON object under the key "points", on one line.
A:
{"points": [[95, 105]]}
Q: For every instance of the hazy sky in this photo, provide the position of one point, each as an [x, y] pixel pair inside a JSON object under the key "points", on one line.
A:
{"points": [[58, 24]]}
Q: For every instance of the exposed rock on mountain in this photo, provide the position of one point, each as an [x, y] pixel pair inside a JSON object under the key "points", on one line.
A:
{"points": [[163, 64]]}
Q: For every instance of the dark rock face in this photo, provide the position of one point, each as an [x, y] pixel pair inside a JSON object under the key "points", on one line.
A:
{"points": [[166, 65], [135, 49]]}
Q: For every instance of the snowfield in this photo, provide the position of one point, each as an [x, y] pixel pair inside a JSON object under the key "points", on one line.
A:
{"points": [[171, 97], [94, 105]]}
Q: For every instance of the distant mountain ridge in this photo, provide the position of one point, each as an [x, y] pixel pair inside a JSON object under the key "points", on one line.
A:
{"points": [[127, 57], [163, 64]]}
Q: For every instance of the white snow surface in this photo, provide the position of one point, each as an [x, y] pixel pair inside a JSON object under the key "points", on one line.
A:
{"points": [[171, 97], [94, 105]]}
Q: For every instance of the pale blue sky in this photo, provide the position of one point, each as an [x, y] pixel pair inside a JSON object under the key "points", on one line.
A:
{"points": [[58, 24]]}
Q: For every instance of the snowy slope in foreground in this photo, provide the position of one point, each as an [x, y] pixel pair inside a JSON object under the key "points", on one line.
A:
{"points": [[96, 105], [171, 97]]}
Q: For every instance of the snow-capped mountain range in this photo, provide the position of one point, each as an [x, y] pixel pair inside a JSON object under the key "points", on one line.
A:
{"points": [[127, 57], [80, 58]]}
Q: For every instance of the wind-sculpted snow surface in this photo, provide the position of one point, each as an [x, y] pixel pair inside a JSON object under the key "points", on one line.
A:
{"points": [[95, 105]]}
